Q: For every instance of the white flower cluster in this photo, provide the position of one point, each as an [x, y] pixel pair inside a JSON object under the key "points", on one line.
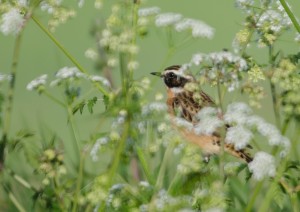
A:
{"points": [[50, 7], [37, 83], [242, 124], [100, 79], [209, 121], [240, 115], [216, 64], [197, 28], [167, 19], [5, 77], [149, 11], [12, 22], [244, 4], [66, 74], [263, 165], [274, 20], [153, 107], [100, 142]]}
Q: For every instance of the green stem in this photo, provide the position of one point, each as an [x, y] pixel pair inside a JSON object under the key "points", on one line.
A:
{"points": [[275, 104], [10, 98], [273, 90], [73, 128], [223, 132], [79, 182], [163, 167], [63, 49], [254, 196], [290, 14], [144, 164], [81, 159], [16, 203], [269, 194]]}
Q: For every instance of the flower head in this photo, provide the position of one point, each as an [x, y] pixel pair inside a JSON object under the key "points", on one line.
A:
{"points": [[67, 73], [239, 136], [209, 121], [12, 22], [37, 83], [102, 80], [167, 19], [148, 11], [198, 28], [263, 165]]}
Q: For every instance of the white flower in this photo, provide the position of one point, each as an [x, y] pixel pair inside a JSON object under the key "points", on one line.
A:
{"points": [[102, 80], [274, 20], [66, 73], [5, 77], [198, 58], [239, 136], [167, 19], [80, 3], [209, 121], [132, 65], [238, 113], [91, 54], [263, 165], [153, 107], [97, 146], [198, 28], [244, 4], [12, 22], [144, 184], [148, 11], [36, 83], [180, 122]]}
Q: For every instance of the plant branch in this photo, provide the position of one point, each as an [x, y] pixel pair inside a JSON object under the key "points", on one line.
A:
{"points": [[10, 98], [63, 49], [290, 14]]}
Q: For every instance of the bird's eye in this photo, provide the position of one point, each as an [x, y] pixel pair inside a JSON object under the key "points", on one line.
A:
{"points": [[171, 75]]}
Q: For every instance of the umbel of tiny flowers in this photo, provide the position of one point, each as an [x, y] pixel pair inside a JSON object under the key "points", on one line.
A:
{"points": [[263, 165], [198, 28], [12, 22], [38, 83], [243, 124], [219, 67]]}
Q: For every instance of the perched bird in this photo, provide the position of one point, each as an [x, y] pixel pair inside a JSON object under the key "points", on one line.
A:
{"points": [[182, 101]]}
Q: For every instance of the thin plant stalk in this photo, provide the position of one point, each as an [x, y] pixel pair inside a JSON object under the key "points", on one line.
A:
{"points": [[290, 14], [10, 98], [63, 49], [256, 192]]}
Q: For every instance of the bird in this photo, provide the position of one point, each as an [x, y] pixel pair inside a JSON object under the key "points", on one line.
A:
{"points": [[182, 102]]}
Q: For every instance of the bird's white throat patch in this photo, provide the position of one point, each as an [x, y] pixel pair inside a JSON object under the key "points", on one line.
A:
{"points": [[177, 90]]}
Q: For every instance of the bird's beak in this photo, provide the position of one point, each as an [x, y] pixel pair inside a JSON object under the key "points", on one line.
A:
{"points": [[156, 74]]}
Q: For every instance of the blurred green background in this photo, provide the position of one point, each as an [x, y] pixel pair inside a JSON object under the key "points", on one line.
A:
{"points": [[39, 56]]}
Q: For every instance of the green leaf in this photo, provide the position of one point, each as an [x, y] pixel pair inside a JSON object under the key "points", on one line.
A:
{"points": [[91, 104], [79, 107]]}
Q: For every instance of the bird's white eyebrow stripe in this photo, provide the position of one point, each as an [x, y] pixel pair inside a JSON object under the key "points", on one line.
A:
{"points": [[178, 73]]}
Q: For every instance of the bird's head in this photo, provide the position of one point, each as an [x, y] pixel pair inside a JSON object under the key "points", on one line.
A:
{"points": [[174, 77]]}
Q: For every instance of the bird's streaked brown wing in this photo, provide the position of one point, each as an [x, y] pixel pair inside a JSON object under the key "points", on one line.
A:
{"points": [[188, 106]]}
